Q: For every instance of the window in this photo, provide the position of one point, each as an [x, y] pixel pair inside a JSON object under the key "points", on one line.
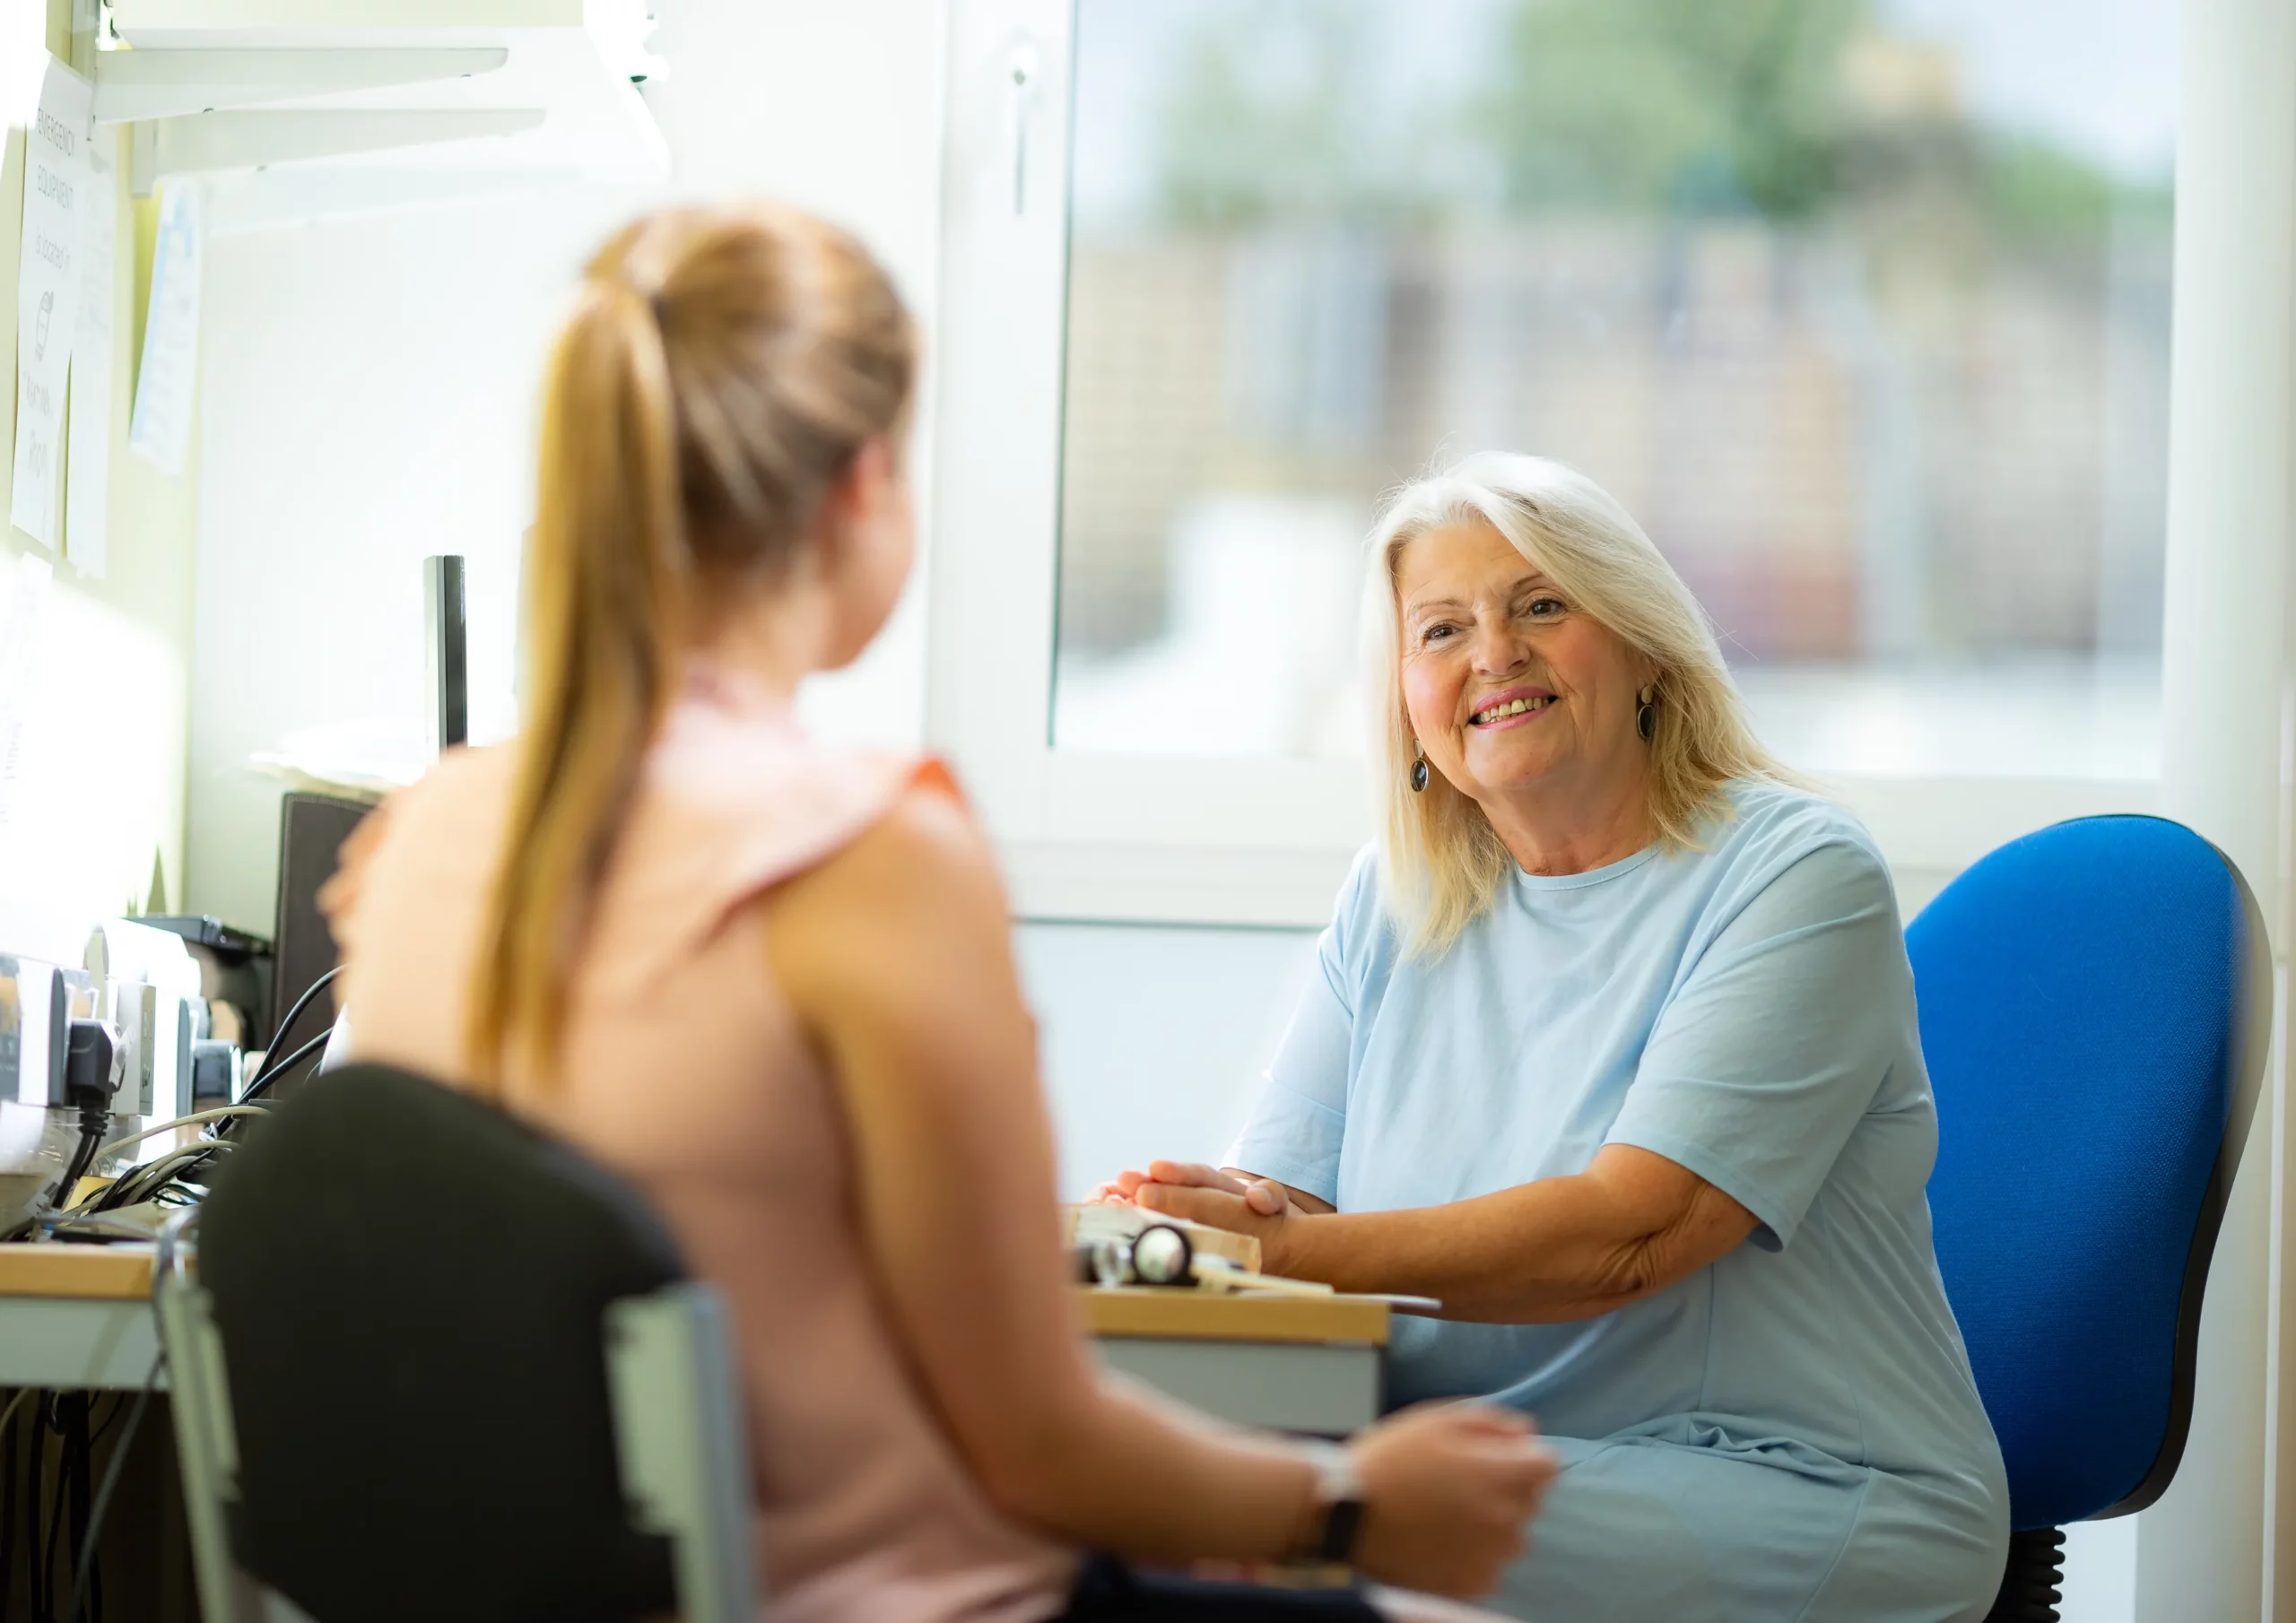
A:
{"points": [[1861, 305]]}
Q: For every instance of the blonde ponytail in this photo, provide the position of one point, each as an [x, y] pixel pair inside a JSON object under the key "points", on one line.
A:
{"points": [[720, 370]]}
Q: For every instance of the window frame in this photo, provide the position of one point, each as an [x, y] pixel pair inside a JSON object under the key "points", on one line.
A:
{"points": [[1172, 840]]}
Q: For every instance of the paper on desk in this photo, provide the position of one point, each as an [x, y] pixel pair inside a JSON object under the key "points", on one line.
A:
{"points": [[161, 428], [87, 451], [48, 294]]}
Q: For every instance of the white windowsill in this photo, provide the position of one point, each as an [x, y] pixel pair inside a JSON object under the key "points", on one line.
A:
{"points": [[1929, 829]]}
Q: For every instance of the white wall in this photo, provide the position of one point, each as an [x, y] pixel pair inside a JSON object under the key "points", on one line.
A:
{"points": [[369, 395], [369, 392], [1152, 1038], [91, 806]]}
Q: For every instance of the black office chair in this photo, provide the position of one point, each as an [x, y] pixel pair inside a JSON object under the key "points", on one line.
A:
{"points": [[431, 1363]]}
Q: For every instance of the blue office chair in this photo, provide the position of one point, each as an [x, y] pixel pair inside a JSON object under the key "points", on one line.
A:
{"points": [[2096, 1004]]}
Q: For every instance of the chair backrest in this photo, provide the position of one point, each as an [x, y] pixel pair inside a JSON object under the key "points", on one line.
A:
{"points": [[412, 1295], [2095, 1005]]}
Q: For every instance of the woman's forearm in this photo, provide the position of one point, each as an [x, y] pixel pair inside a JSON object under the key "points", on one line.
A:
{"points": [[1125, 1470], [1532, 1255], [1557, 1249]]}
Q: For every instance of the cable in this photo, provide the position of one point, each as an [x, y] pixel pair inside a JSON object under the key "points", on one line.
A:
{"points": [[35, 1453], [8, 1498], [274, 1070], [42, 1570], [8, 1414], [78, 1469], [295, 1010], [129, 1189], [96, 1435], [275, 1066], [147, 1177], [103, 1492], [217, 1114], [94, 1121], [105, 1198], [111, 1417]]}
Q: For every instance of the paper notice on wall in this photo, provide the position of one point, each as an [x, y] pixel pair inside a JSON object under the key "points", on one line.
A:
{"points": [[23, 619], [87, 445], [47, 295], [169, 379]]}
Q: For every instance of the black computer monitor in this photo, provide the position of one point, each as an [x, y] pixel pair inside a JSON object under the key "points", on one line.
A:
{"points": [[446, 638]]}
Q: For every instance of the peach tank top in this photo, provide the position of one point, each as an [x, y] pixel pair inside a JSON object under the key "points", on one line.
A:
{"points": [[685, 1071]]}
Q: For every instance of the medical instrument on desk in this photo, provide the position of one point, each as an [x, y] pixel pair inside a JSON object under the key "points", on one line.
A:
{"points": [[1088, 1222], [1159, 1254], [1163, 1256]]}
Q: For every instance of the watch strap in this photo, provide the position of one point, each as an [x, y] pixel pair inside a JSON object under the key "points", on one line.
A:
{"points": [[1342, 1522], [1339, 1495]]}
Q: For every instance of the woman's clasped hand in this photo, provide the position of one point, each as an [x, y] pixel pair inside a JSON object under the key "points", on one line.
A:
{"points": [[1448, 1490], [1213, 1196]]}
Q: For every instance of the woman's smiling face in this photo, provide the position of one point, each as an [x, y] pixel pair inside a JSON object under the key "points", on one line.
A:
{"points": [[1508, 684]]}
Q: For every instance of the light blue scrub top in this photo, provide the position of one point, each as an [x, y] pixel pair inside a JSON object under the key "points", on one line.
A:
{"points": [[1792, 1432]]}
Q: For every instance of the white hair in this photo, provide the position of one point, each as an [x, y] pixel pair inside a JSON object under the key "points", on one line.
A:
{"points": [[1441, 860]]}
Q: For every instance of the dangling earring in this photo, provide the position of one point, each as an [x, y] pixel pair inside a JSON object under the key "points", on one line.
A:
{"points": [[1646, 719], [1419, 770]]}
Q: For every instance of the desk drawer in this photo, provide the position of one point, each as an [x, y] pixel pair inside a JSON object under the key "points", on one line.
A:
{"points": [[1327, 1390], [58, 1342]]}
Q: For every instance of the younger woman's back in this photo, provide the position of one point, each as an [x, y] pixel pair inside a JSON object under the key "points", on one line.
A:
{"points": [[683, 1068]]}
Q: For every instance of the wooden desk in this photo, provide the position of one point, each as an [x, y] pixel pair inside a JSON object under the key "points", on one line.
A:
{"points": [[80, 1316], [77, 1317], [1303, 1364]]}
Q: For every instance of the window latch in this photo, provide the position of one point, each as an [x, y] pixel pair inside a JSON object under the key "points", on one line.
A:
{"points": [[1024, 67]]}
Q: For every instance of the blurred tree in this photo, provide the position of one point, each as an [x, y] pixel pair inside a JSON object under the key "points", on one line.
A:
{"points": [[1258, 122], [1699, 105], [1288, 110]]}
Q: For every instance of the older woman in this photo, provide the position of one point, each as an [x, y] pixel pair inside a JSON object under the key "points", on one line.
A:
{"points": [[1614, 1052]]}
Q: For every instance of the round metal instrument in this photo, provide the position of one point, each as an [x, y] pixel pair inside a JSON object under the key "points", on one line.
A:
{"points": [[1162, 1255]]}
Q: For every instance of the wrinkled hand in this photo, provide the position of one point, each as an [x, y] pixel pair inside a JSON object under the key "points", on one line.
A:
{"points": [[1270, 1199], [1448, 1490], [1259, 1207]]}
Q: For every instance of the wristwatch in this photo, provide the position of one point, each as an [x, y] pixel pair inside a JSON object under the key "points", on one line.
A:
{"points": [[1339, 1495]]}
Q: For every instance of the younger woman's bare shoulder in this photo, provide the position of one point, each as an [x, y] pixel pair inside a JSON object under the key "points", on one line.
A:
{"points": [[917, 889], [926, 843]]}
